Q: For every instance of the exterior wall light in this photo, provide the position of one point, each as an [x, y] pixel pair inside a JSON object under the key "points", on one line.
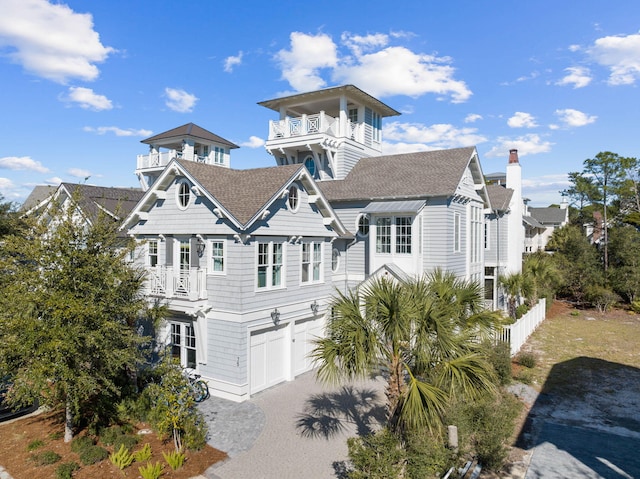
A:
{"points": [[315, 306], [275, 316]]}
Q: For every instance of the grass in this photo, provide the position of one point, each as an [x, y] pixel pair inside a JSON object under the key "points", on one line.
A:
{"points": [[569, 334]]}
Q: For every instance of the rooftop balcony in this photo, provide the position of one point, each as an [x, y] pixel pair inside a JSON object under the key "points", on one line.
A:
{"points": [[160, 159], [321, 123]]}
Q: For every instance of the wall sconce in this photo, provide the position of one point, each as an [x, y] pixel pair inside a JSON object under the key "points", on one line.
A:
{"points": [[201, 245], [315, 306], [275, 316]]}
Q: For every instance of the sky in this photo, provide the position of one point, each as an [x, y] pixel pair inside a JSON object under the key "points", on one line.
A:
{"points": [[82, 83]]}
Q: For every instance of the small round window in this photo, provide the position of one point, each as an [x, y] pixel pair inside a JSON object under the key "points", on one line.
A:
{"points": [[183, 195], [310, 165], [335, 260], [294, 198], [363, 225]]}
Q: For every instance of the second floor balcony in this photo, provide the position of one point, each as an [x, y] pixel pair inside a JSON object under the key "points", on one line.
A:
{"points": [[320, 123], [160, 159], [169, 282]]}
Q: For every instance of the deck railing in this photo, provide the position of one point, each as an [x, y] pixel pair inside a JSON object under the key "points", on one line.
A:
{"points": [[517, 334], [167, 282], [303, 125], [162, 158]]}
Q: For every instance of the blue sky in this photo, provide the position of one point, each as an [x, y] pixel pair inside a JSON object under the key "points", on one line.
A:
{"points": [[84, 82]]}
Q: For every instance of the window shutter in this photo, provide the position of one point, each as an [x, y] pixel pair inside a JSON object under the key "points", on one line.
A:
{"points": [[195, 261], [169, 251]]}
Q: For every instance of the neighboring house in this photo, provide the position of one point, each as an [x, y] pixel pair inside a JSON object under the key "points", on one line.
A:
{"points": [[541, 223], [87, 200]]}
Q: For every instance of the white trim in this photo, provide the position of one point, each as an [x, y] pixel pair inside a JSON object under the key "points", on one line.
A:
{"points": [[210, 261], [269, 266], [179, 186]]}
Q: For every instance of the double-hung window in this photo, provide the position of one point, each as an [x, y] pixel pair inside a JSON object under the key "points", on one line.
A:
{"points": [[218, 155], [183, 344], [152, 252], [383, 235], [403, 234], [270, 265], [311, 262], [456, 232], [217, 256]]}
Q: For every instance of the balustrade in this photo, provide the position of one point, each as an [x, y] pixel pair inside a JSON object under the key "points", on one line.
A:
{"points": [[168, 282]]}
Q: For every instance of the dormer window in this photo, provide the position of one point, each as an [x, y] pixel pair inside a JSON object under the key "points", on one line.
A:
{"points": [[183, 194]]}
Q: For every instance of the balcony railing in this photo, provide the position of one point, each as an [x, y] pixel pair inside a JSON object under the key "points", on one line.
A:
{"points": [[162, 159], [169, 282], [304, 125]]}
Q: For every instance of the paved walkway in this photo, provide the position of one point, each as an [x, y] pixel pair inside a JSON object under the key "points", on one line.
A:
{"points": [[294, 430]]}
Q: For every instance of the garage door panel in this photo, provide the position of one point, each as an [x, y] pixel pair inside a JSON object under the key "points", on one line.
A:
{"points": [[268, 358]]}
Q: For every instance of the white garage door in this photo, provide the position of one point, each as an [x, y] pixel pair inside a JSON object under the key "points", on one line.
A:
{"points": [[305, 332], [268, 358]]}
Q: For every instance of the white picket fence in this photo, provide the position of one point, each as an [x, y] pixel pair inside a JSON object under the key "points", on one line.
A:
{"points": [[517, 333]]}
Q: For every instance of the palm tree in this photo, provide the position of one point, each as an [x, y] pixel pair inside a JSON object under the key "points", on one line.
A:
{"points": [[422, 333], [542, 274], [516, 286]]}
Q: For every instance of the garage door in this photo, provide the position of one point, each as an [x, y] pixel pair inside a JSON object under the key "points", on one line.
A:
{"points": [[305, 332], [268, 358]]}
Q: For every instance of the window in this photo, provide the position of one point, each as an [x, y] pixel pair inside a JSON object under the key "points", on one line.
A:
{"points": [[487, 244], [218, 155], [377, 126], [476, 236], [183, 195], [293, 200], [335, 260], [152, 252], [311, 262], [310, 164], [403, 234], [363, 225], [269, 265], [383, 235], [184, 259], [456, 232], [217, 256], [183, 344], [353, 115]]}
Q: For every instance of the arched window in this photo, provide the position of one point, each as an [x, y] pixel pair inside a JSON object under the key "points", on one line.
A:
{"points": [[183, 194], [294, 200], [363, 225], [335, 260]]}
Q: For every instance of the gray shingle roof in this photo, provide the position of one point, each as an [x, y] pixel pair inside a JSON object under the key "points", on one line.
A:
{"points": [[241, 192], [549, 215], [117, 201], [192, 130], [408, 175], [37, 195], [499, 197]]}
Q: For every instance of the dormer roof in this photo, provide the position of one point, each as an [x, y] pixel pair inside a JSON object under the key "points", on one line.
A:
{"points": [[317, 100], [189, 130]]}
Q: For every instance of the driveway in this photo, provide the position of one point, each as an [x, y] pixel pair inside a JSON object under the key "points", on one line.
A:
{"points": [[293, 430]]}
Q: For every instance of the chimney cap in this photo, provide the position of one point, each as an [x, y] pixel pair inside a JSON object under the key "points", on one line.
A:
{"points": [[513, 156]]}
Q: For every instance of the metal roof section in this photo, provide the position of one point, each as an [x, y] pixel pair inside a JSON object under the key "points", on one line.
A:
{"points": [[394, 206]]}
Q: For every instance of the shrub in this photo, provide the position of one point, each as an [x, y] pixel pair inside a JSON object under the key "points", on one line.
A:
{"points": [[376, 456], [525, 376], [81, 443], [45, 458], [600, 297], [175, 459], [66, 470], [143, 454], [121, 459], [527, 359], [635, 306], [127, 441], [522, 310], [499, 356], [109, 435], [427, 455], [151, 471], [93, 454], [35, 444]]}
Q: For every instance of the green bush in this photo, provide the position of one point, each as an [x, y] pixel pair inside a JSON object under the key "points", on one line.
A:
{"points": [[175, 459], [499, 356], [143, 454], [376, 456], [45, 458], [93, 454], [151, 471], [522, 310], [635, 306], [127, 441], [80, 443], [35, 444], [600, 297], [427, 455], [122, 458], [524, 376], [108, 436], [527, 359], [66, 470]]}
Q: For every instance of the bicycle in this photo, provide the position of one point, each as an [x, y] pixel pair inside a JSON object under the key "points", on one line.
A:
{"points": [[198, 388]]}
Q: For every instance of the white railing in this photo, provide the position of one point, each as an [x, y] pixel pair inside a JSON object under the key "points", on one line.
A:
{"points": [[303, 125], [517, 334], [168, 282], [157, 159]]}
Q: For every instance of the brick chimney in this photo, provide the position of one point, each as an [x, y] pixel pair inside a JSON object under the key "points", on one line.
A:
{"points": [[513, 156]]}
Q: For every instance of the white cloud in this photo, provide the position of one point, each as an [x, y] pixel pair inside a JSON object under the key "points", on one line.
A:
{"points": [[530, 144], [6, 184], [102, 130], [621, 54], [179, 100], [22, 163], [54, 180], [79, 173], [472, 118], [574, 118], [232, 61], [522, 120], [579, 77], [422, 137], [545, 190], [369, 62], [575, 48], [302, 63], [87, 99], [51, 40], [254, 142]]}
